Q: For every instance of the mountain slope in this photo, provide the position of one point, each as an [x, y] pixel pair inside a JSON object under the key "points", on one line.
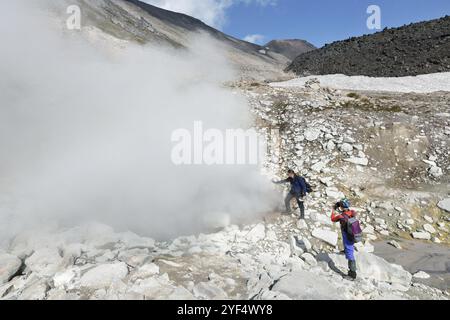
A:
{"points": [[135, 21], [290, 48], [419, 48]]}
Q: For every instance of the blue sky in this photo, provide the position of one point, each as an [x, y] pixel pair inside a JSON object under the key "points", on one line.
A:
{"points": [[324, 21]]}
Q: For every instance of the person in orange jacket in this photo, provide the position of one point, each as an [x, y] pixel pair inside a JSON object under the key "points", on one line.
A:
{"points": [[341, 213]]}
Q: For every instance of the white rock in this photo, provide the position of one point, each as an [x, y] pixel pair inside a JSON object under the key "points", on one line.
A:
{"points": [[421, 275], [302, 285], [317, 167], [61, 295], [295, 248], [306, 244], [445, 204], [312, 134], [429, 228], [271, 235], [430, 163], [369, 229], [330, 146], [421, 235], [334, 193], [45, 262], [346, 147], [104, 275], [257, 233], [309, 259], [9, 265], [153, 288], [179, 294], [395, 244], [65, 278], [301, 224], [435, 172], [134, 257], [146, 271], [327, 236], [321, 218], [429, 219], [327, 181], [436, 240], [209, 291], [386, 205], [37, 291], [358, 161]]}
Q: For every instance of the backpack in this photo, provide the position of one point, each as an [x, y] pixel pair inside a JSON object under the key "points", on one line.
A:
{"points": [[353, 228], [309, 189], [297, 185]]}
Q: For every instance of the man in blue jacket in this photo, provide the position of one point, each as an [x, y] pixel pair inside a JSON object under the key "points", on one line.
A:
{"points": [[298, 191]]}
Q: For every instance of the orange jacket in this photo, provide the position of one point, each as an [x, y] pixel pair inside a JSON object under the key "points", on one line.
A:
{"points": [[336, 217]]}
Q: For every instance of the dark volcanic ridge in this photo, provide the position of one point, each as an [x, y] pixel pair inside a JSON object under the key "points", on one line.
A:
{"points": [[414, 49], [291, 48]]}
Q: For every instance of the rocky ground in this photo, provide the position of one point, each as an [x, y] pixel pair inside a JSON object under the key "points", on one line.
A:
{"points": [[388, 152], [269, 260]]}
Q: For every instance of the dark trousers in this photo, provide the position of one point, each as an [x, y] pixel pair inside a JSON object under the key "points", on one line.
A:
{"points": [[300, 203]]}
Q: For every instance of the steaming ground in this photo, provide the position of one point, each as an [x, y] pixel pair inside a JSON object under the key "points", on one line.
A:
{"points": [[85, 132]]}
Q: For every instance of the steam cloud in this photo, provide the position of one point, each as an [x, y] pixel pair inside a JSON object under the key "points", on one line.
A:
{"points": [[85, 134]]}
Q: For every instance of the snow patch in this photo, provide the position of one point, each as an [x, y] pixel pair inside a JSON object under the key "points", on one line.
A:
{"points": [[421, 84]]}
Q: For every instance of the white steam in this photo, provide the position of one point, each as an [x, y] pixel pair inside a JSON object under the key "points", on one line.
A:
{"points": [[85, 135]]}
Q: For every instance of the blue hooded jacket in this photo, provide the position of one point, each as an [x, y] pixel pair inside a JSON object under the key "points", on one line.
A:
{"points": [[298, 185]]}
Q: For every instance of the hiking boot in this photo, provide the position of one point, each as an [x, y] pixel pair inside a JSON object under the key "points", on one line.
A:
{"points": [[352, 275], [352, 269]]}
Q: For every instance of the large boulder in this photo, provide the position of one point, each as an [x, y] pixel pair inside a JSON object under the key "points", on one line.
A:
{"points": [[257, 233], [45, 262], [327, 236], [104, 275], [303, 285], [9, 265], [373, 267], [421, 235], [36, 291]]}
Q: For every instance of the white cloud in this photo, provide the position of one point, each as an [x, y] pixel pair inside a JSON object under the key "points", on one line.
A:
{"points": [[211, 12], [255, 38]]}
